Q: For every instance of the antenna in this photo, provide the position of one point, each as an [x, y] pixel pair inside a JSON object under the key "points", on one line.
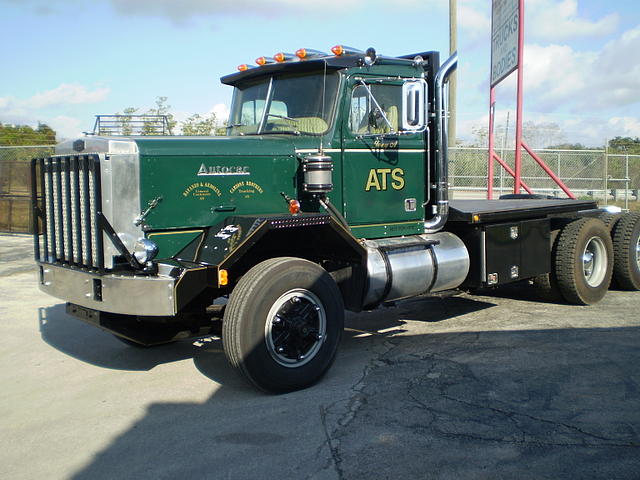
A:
{"points": [[324, 86]]}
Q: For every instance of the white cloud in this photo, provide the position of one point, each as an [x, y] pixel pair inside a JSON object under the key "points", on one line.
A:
{"points": [[551, 20], [221, 111], [187, 9], [65, 97], [625, 126], [474, 21], [66, 127], [560, 20], [558, 77], [66, 93]]}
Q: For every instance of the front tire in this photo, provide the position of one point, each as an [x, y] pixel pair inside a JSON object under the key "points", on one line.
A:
{"points": [[283, 324]]}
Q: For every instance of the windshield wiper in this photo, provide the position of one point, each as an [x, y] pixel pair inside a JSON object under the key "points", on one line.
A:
{"points": [[286, 132], [284, 117]]}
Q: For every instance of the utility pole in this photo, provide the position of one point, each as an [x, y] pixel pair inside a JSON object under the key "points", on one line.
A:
{"points": [[453, 83]]}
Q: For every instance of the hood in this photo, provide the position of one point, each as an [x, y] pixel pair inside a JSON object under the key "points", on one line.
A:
{"points": [[249, 145]]}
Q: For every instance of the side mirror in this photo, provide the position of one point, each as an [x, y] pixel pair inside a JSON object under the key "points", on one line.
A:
{"points": [[414, 105]]}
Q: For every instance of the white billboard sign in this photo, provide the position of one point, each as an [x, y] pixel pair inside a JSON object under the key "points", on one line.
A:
{"points": [[505, 27]]}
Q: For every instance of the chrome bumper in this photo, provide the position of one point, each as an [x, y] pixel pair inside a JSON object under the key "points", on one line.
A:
{"points": [[130, 295]]}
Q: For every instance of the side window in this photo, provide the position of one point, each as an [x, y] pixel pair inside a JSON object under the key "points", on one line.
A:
{"points": [[375, 108]]}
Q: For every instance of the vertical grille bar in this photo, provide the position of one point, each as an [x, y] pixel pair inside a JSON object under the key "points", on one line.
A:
{"points": [[35, 209], [87, 211], [67, 208], [43, 207], [51, 218], [77, 217], [97, 209], [58, 210]]}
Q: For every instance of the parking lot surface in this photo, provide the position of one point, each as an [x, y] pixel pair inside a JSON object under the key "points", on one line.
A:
{"points": [[460, 387]]}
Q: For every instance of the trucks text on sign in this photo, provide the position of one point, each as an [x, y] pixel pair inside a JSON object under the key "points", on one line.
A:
{"points": [[505, 26]]}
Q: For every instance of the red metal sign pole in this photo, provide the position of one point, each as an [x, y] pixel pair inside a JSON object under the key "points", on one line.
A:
{"points": [[492, 143], [517, 182]]}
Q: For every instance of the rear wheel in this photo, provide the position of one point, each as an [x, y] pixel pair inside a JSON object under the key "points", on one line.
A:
{"points": [[583, 261], [283, 323], [609, 219], [546, 287], [626, 248]]}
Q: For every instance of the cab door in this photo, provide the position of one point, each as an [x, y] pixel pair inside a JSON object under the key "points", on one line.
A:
{"points": [[383, 159]]}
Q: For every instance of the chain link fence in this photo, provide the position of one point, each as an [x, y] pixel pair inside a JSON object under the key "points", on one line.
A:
{"points": [[15, 186], [591, 174]]}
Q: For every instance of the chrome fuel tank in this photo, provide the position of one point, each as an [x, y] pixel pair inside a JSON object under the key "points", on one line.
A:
{"points": [[408, 266]]}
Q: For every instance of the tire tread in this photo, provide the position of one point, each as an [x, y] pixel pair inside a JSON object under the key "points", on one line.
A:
{"points": [[623, 234]]}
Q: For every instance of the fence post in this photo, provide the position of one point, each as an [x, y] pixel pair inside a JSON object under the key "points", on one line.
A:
{"points": [[626, 179], [606, 174]]}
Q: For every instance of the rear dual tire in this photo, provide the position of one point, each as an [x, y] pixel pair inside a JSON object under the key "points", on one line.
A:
{"points": [[626, 246], [581, 264]]}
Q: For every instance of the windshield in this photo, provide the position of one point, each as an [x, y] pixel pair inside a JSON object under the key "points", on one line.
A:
{"points": [[284, 104]]}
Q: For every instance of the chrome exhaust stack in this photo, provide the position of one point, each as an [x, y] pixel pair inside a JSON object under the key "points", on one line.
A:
{"points": [[441, 212]]}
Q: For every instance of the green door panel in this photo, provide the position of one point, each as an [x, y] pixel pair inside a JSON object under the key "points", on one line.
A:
{"points": [[384, 173]]}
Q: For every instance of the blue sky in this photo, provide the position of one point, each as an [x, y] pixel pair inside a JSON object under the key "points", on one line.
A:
{"points": [[66, 60]]}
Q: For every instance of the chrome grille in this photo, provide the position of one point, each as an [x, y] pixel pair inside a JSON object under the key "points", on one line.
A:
{"points": [[67, 200]]}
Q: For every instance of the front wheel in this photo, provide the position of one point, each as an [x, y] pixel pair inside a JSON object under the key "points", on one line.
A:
{"points": [[283, 324]]}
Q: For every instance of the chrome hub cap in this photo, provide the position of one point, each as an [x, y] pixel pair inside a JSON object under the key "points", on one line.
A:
{"points": [[296, 327], [594, 262]]}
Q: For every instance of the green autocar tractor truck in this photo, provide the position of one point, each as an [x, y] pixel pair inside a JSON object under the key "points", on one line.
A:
{"points": [[329, 191]]}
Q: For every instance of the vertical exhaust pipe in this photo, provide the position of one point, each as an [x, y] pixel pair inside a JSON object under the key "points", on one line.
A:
{"points": [[441, 212]]}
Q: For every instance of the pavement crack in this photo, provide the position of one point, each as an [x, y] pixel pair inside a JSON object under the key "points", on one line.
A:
{"points": [[513, 416], [346, 409]]}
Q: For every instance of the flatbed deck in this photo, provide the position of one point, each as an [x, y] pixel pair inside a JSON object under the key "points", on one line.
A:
{"points": [[513, 209]]}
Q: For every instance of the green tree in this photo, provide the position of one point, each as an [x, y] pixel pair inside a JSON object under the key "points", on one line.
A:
{"points": [[199, 125], [542, 135], [124, 121], [162, 108], [26, 135], [625, 145], [567, 146]]}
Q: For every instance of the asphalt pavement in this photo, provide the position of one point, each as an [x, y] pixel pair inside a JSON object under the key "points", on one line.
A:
{"points": [[462, 387]]}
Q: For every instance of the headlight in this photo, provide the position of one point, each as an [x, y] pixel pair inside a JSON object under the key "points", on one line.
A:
{"points": [[145, 250]]}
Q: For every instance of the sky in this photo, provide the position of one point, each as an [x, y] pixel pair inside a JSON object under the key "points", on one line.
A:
{"points": [[64, 61]]}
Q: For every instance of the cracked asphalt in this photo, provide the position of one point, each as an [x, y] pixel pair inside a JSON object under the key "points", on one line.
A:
{"points": [[461, 387]]}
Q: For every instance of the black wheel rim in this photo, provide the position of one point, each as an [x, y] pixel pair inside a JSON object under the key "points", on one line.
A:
{"points": [[296, 328]]}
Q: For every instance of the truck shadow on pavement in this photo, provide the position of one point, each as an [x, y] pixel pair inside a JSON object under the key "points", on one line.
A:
{"points": [[94, 346], [401, 401], [97, 347], [558, 404]]}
